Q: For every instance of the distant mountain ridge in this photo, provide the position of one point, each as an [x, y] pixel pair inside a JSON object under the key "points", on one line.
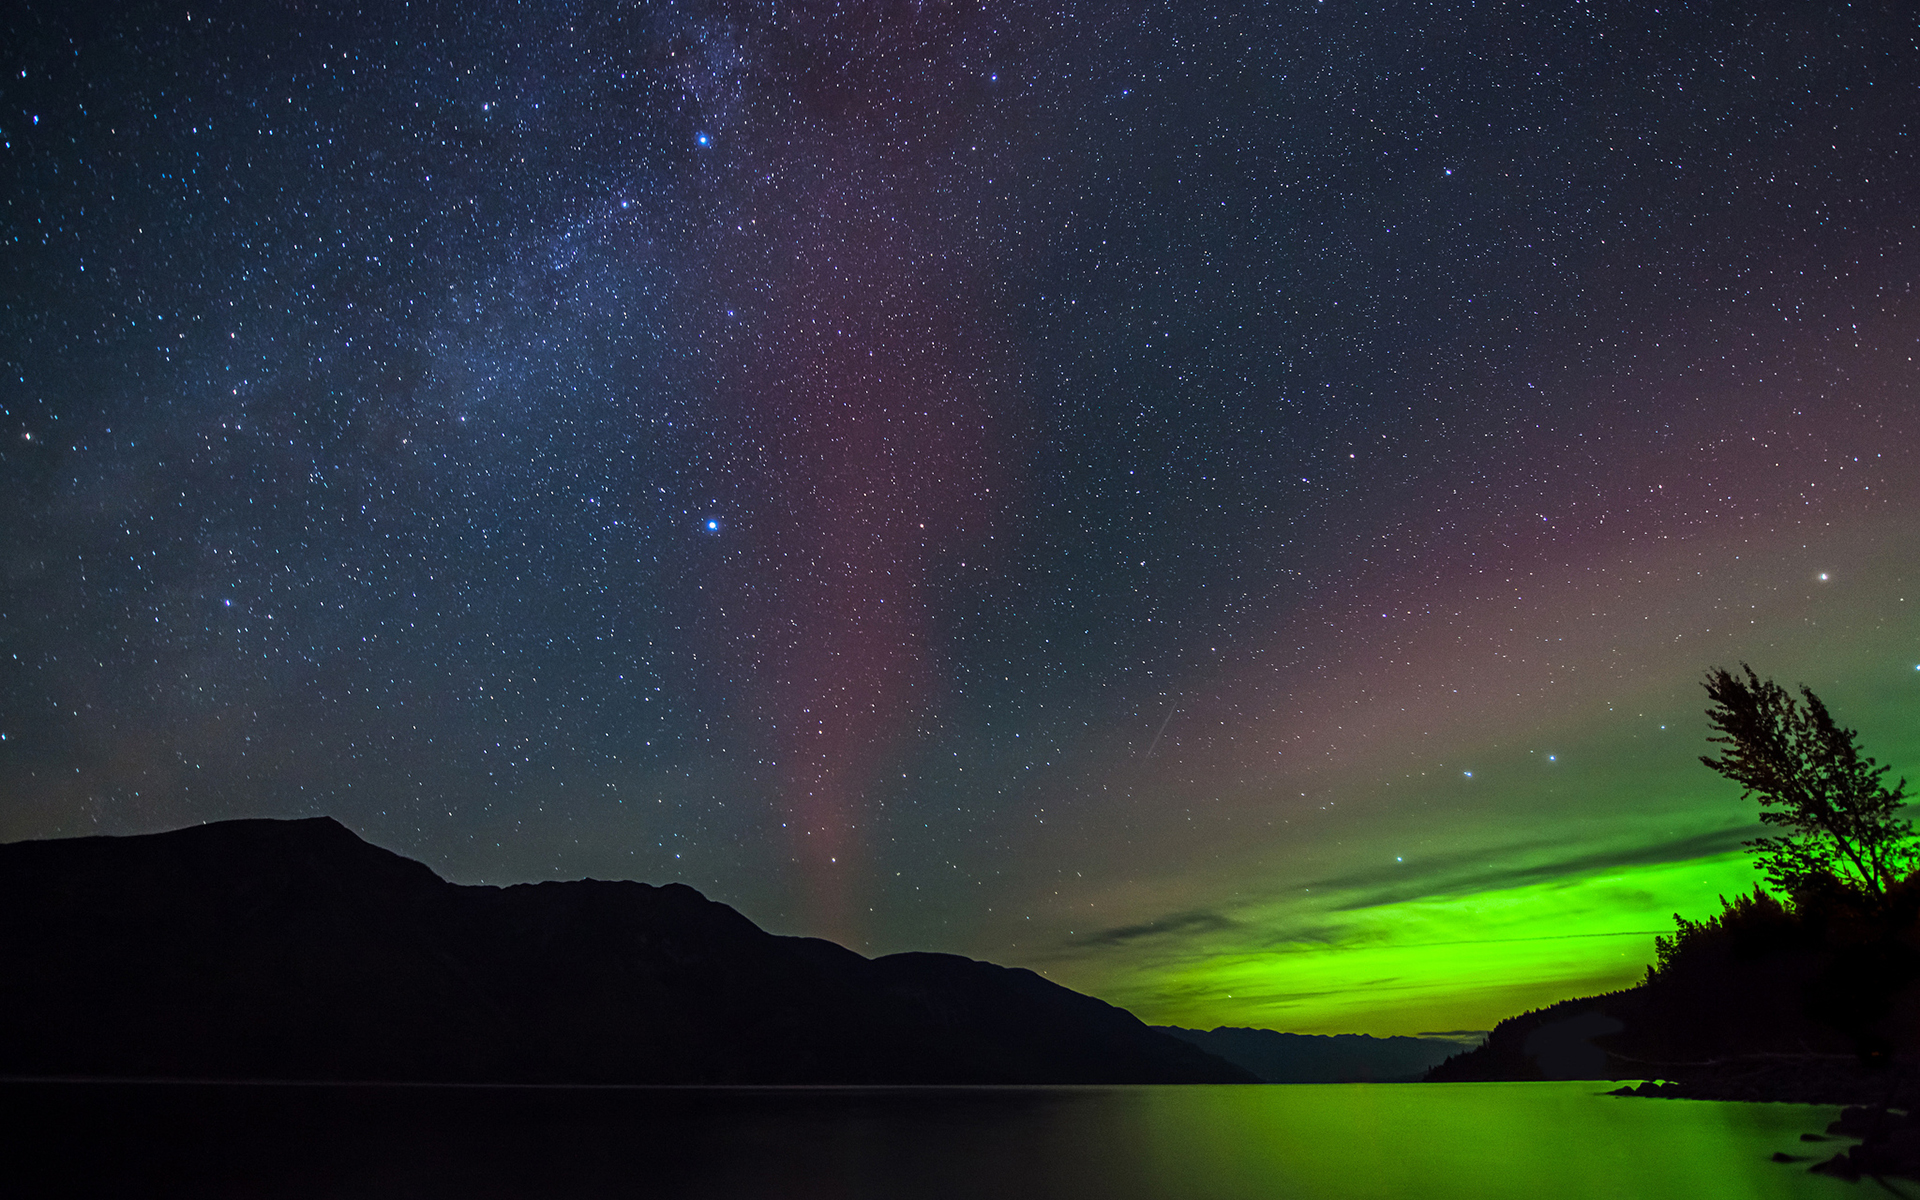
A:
{"points": [[266, 949], [1321, 1058]]}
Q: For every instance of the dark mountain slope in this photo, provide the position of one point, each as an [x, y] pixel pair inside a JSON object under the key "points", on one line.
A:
{"points": [[294, 950], [1562, 1041]]}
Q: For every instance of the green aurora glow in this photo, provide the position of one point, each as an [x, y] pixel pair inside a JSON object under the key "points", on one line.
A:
{"points": [[1430, 899], [1230, 510]]}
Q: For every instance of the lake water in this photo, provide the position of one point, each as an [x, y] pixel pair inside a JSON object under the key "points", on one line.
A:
{"points": [[1486, 1141]]}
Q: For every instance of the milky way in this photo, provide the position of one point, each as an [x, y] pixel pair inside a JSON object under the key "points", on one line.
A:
{"points": [[1226, 505]]}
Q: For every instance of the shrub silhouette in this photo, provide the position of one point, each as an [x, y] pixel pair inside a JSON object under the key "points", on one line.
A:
{"points": [[1839, 821]]}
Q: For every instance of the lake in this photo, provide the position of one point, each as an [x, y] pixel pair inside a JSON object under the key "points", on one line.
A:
{"points": [[1486, 1141]]}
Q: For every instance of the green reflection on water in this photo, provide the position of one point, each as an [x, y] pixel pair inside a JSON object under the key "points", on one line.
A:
{"points": [[1487, 1140], [1527, 1141]]}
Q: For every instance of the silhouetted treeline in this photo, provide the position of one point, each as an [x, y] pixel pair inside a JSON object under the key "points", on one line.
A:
{"points": [[1816, 997], [1802, 998], [1833, 971]]}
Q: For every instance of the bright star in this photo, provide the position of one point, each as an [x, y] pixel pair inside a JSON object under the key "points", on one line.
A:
{"points": [[703, 139]]}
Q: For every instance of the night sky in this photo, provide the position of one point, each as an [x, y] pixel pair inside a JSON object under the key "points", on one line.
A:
{"points": [[1228, 506]]}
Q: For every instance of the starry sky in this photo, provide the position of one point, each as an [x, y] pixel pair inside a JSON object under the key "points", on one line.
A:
{"points": [[1227, 505]]}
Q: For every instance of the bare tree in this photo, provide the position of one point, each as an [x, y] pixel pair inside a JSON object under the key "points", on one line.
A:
{"points": [[1838, 820]]}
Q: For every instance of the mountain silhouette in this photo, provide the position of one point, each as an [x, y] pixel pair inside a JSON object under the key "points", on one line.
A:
{"points": [[1321, 1058], [264, 949]]}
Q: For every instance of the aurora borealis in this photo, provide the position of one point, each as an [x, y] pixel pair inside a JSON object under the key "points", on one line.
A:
{"points": [[1228, 506]]}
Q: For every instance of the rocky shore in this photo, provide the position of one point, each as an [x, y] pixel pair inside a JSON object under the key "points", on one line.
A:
{"points": [[1890, 1144], [1882, 1103], [1785, 1079]]}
